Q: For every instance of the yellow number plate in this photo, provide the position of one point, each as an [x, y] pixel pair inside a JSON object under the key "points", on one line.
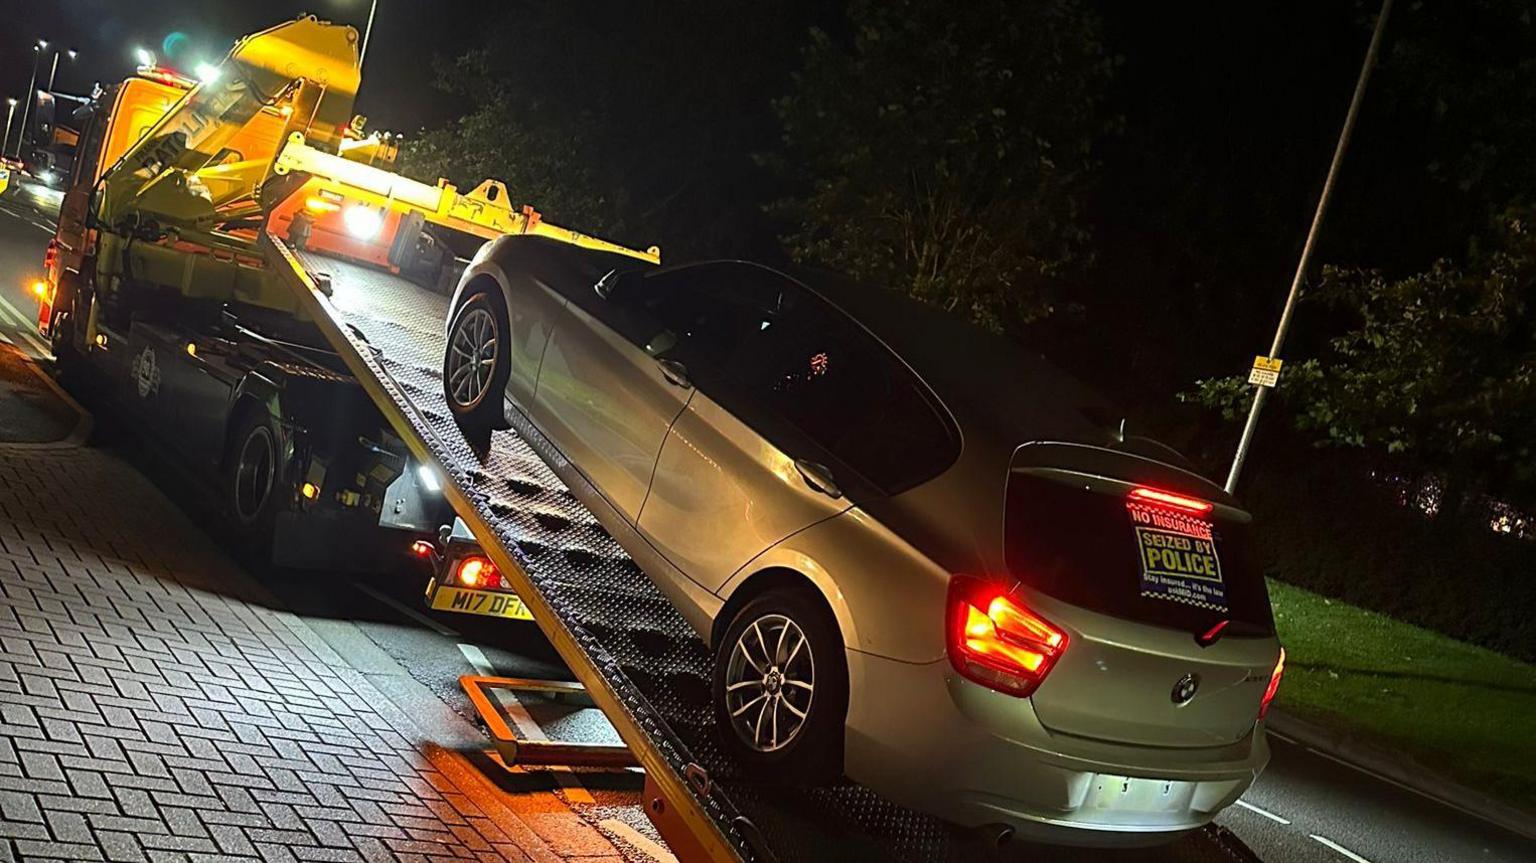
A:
{"points": [[487, 602]]}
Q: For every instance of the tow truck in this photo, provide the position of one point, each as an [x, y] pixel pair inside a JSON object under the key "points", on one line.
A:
{"points": [[241, 197], [153, 283]]}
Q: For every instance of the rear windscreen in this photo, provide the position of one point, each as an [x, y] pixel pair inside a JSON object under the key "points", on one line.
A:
{"points": [[1148, 564]]}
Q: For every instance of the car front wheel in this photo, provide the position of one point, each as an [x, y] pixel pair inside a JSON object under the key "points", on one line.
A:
{"points": [[781, 688], [475, 363]]}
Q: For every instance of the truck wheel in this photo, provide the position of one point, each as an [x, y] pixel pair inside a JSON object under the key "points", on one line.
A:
{"points": [[476, 363], [781, 689], [253, 476], [61, 342]]}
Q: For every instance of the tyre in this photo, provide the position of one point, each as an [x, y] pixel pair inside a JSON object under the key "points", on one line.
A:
{"points": [[780, 688], [255, 488], [61, 343], [476, 363], [70, 304]]}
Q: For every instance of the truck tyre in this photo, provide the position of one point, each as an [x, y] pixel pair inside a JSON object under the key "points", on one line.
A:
{"points": [[61, 342], [476, 363], [254, 477], [71, 304], [780, 688]]}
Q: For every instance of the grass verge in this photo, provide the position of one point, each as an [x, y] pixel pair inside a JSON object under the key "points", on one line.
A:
{"points": [[1460, 710]]}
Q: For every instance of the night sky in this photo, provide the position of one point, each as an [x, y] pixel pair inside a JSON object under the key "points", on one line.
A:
{"points": [[396, 83]]}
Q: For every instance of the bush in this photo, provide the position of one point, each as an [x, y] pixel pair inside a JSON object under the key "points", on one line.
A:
{"points": [[1331, 528]]}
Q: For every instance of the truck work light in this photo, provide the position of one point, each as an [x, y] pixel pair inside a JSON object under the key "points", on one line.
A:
{"points": [[362, 222]]}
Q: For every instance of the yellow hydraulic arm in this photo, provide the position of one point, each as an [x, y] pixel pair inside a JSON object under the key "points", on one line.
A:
{"points": [[306, 68], [485, 212], [178, 209]]}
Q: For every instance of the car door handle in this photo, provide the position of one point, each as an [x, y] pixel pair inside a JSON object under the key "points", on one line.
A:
{"points": [[818, 477], [675, 372]]}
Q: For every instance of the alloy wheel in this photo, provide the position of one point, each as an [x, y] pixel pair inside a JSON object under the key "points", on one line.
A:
{"points": [[472, 357], [770, 683]]}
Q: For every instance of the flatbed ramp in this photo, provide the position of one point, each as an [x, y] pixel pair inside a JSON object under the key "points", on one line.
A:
{"points": [[619, 634]]}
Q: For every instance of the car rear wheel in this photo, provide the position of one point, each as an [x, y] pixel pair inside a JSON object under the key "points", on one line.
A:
{"points": [[781, 688], [476, 364]]}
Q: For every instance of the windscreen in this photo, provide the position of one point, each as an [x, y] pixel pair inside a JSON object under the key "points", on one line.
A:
{"points": [[1110, 554]]}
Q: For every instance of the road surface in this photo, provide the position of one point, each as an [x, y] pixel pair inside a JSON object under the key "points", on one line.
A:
{"points": [[1307, 808]]}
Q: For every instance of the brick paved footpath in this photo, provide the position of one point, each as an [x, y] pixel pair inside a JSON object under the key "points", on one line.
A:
{"points": [[154, 706]]}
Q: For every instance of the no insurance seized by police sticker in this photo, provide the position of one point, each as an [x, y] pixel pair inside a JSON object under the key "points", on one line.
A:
{"points": [[1178, 557]]}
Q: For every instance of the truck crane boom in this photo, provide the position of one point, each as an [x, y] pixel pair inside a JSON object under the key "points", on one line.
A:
{"points": [[305, 70]]}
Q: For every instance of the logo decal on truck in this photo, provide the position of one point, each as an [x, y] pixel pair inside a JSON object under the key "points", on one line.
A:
{"points": [[146, 373]]}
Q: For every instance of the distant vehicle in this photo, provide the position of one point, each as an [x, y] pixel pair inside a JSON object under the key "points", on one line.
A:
{"points": [[47, 176], [921, 554]]}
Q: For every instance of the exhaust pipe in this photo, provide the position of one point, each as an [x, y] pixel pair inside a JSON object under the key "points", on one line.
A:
{"points": [[994, 836]]}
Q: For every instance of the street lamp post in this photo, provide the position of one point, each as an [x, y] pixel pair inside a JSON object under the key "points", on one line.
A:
{"points": [[1260, 392], [54, 73], [26, 106], [10, 111]]}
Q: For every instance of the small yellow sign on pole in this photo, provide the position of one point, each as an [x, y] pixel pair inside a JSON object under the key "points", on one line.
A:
{"points": [[1266, 371]]}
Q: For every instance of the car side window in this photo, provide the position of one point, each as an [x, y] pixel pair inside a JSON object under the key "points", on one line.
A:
{"points": [[818, 386], [699, 315]]}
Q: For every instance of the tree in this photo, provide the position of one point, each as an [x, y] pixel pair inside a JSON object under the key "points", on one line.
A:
{"points": [[1436, 375], [546, 158], [1463, 75], [943, 149], [633, 120]]}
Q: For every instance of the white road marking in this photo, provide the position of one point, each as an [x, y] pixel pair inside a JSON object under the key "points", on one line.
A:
{"points": [[28, 218], [653, 849], [1265, 812], [407, 611], [23, 327], [1390, 781], [1329, 843], [527, 727], [477, 658], [1281, 737]]}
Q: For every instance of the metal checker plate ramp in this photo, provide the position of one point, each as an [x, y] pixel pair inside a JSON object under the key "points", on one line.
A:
{"points": [[628, 628]]}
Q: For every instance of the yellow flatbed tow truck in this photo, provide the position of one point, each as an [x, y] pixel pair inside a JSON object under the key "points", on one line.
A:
{"points": [[242, 193]]}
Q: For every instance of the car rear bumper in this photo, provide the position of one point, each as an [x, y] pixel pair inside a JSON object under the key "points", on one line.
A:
{"points": [[941, 744]]}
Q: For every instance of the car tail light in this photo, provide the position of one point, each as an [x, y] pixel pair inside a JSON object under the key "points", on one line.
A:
{"points": [[1169, 500], [422, 548], [1274, 684], [996, 640], [476, 571]]}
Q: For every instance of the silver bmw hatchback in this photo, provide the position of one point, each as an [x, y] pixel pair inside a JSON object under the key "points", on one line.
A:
{"points": [[924, 558]]}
